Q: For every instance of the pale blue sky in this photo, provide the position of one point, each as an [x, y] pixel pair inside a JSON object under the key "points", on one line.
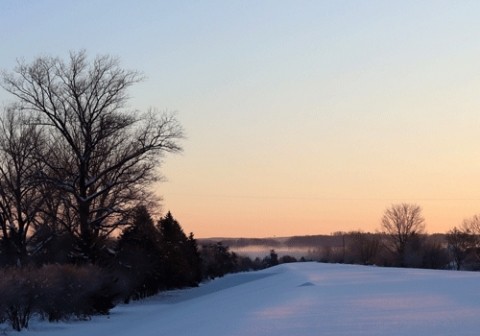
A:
{"points": [[302, 117]]}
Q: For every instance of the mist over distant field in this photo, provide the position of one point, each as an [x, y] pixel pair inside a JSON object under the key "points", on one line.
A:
{"points": [[308, 247], [427, 251]]}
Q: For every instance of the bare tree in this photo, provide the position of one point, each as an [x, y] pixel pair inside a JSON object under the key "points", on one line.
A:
{"points": [[364, 247], [20, 199], [402, 224], [471, 227], [460, 243], [101, 157]]}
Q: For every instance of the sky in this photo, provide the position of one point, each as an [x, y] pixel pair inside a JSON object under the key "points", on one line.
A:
{"points": [[302, 117]]}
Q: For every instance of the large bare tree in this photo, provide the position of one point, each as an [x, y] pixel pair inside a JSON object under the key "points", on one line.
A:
{"points": [[102, 157], [402, 224]]}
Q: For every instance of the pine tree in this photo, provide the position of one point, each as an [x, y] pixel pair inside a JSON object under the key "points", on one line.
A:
{"points": [[194, 259], [180, 254], [139, 256]]}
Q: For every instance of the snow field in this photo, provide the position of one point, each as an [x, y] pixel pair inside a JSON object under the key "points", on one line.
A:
{"points": [[299, 299]]}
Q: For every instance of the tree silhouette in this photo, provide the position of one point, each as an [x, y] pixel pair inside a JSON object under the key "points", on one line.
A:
{"points": [[217, 260], [402, 224], [460, 244], [20, 198], [101, 156], [139, 256], [180, 256]]}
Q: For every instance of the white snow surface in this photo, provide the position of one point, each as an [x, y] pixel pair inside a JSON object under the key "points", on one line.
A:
{"points": [[299, 299]]}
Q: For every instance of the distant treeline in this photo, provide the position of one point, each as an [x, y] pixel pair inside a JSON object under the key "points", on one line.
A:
{"points": [[455, 250], [401, 242]]}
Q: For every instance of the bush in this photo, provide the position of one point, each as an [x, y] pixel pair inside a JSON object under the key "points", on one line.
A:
{"points": [[54, 292], [74, 291], [17, 298]]}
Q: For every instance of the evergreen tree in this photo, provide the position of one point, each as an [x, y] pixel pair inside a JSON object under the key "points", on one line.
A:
{"points": [[217, 260], [180, 254], [194, 259], [271, 260], [139, 256]]}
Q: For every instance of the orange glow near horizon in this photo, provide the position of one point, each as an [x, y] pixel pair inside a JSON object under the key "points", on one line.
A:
{"points": [[221, 216]]}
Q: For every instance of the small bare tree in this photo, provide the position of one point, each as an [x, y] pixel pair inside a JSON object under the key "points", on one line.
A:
{"points": [[471, 227], [460, 244], [402, 224], [101, 156]]}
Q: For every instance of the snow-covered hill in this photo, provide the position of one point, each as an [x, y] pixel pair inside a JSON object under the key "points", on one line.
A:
{"points": [[300, 299]]}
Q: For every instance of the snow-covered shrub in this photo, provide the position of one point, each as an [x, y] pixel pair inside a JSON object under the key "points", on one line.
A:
{"points": [[68, 291], [54, 292], [18, 297]]}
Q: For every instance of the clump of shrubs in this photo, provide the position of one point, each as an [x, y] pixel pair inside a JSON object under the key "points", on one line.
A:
{"points": [[54, 293]]}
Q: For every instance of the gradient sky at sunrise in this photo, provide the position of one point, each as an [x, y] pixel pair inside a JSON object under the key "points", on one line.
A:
{"points": [[302, 117]]}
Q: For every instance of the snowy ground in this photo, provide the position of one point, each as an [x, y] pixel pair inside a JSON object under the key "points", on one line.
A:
{"points": [[300, 299]]}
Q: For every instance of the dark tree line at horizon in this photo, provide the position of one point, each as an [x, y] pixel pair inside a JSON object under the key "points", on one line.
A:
{"points": [[403, 242]]}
